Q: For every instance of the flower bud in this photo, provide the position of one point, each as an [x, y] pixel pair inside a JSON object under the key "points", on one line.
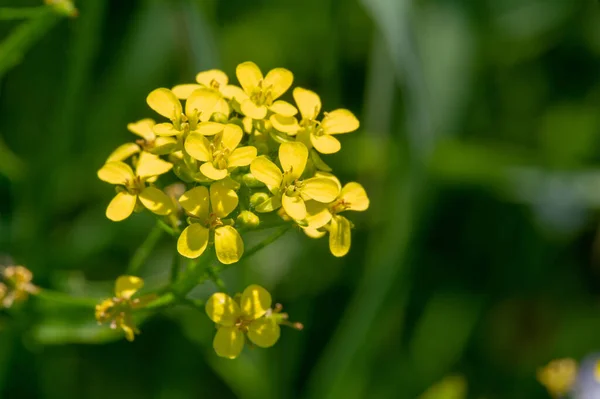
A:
{"points": [[248, 219], [258, 198], [251, 181], [220, 117]]}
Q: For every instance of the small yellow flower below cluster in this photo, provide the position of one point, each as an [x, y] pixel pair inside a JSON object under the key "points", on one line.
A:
{"points": [[558, 376], [16, 285]]}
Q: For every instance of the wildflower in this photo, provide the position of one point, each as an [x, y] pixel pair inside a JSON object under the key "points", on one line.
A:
{"points": [[149, 142], [199, 107], [221, 155], [260, 93], [558, 376], [119, 309], [285, 184], [132, 187], [319, 134], [208, 217], [17, 285], [251, 316]]}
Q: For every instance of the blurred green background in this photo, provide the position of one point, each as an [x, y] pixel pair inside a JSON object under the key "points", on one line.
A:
{"points": [[479, 147]]}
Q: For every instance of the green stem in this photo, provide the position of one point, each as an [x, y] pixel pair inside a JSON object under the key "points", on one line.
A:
{"points": [[65, 299], [175, 267], [143, 252], [166, 228], [20, 13]]}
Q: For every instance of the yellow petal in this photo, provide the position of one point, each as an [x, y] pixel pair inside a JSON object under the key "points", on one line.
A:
{"points": [[121, 206], [143, 128], [222, 107], [255, 301], [233, 92], [317, 214], [184, 91], [283, 108], [165, 129], [355, 196], [164, 145], [339, 121], [339, 236], [294, 207], [165, 103], [222, 309], [248, 124], [198, 147], [313, 233], [277, 81], [264, 332], [331, 176], [228, 245], [123, 152], [151, 165], [308, 102], [156, 201], [320, 189], [229, 342], [252, 110], [241, 156], [206, 78], [116, 173], [195, 202], [209, 170], [193, 241], [325, 144], [223, 198], [209, 128], [232, 136], [285, 124], [126, 286], [271, 204], [293, 158], [202, 102], [249, 76], [266, 171]]}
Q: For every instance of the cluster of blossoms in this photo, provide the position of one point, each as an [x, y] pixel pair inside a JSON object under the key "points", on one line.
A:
{"points": [[16, 285]]}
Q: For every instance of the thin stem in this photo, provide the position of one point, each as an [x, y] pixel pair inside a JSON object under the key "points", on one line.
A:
{"points": [[65, 299], [166, 228], [143, 252], [175, 267]]}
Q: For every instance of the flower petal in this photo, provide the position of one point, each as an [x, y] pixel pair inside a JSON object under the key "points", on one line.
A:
{"points": [[278, 80], [308, 102], [165, 103], [325, 144], [229, 342], [283, 108], [339, 236], [209, 128], [293, 157], [355, 196], [202, 102], [196, 202], [320, 189], [123, 152], [233, 92], [241, 156], [232, 136], [255, 301], [151, 165], [222, 309], [116, 173], [209, 170], [264, 332], [163, 145], [317, 214], [285, 124], [223, 198], [249, 76], [165, 129], [184, 91], [212, 76], [252, 110], [193, 241], [156, 201], [222, 107], [339, 121], [198, 147], [266, 171], [228, 245], [121, 206], [313, 233], [294, 207], [143, 128], [126, 286]]}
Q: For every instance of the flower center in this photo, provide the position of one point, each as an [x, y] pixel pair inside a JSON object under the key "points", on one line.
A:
{"points": [[339, 206], [220, 157], [213, 221], [262, 95], [135, 186], [214, 84]]}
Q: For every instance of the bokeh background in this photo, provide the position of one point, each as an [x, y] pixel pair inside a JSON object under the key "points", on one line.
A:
{"points": [[479, 147]]}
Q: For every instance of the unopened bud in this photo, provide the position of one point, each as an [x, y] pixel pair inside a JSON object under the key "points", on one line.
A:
{"points": [[248, 219], [251, 181], [220, 117], [258, 198]]}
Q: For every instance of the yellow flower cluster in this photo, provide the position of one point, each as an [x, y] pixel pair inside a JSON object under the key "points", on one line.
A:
{"points": [[239, 150], [16, 285]]}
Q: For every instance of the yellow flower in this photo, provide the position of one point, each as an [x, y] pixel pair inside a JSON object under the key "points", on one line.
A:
{"points": [[16, 286], [251, 316], [221, 155], [208, 216], [216, 81], [260, 93], [352, 197], [118, 310], [132, 187], [285, 184], [319, 134], [149, 142], [558, 376], [199, 107]]}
